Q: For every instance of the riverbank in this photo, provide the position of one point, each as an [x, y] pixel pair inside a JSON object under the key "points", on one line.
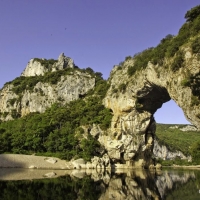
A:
{"points": [[31, 162], [43, 162]]}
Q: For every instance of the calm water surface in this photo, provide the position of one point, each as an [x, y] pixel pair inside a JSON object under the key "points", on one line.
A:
{"points": [[103, 185]]}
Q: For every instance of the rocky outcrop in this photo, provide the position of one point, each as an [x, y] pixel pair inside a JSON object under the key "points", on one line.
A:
{"points": [[161, 151], [70, 87], [37, 67], [185, 128], [134, 100]]}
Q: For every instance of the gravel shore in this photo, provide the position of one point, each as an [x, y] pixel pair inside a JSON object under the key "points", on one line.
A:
{"points": [[28, 167], [31, 161]]}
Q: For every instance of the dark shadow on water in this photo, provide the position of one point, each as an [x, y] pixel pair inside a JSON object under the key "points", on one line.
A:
{"points": [[5, 163]]}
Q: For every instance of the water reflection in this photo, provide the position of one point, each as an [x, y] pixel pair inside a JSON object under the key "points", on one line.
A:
{"points": [[102, 185]]}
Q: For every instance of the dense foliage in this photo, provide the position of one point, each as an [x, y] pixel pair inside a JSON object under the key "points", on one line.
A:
{"points": [[193, 81], [187, 142], [170, 45], [196, 45], [59, 130], [178, 61]]}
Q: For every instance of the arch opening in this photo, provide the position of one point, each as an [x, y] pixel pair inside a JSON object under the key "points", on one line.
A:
{"points": [[156, 100], [170, 113]]}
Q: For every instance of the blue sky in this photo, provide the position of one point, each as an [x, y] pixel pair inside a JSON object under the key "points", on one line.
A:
{"points": [[95, 33]]}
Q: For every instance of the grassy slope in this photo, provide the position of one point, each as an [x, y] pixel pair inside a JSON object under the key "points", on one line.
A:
{"points": [[176, 139]]}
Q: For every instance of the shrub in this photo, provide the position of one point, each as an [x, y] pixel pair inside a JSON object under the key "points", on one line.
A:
{"points": [[114, 90], [122, 87], [46, 63], [196, 45], [185, 83], [195, 151], [194, 83], [128, 58], [131, 70], [178, 62], [5, 114], [195, 101], [119, 68], [12, 101], [89, 70], [15, 114], [160, 51], [192, 14], [196, 26]]}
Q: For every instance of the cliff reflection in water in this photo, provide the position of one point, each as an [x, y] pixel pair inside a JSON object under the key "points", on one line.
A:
{"points": [[104, 185]]}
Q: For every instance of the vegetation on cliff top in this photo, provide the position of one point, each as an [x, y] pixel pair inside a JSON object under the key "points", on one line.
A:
{"points": [[170, 45], [46, 62], [23, 83]]}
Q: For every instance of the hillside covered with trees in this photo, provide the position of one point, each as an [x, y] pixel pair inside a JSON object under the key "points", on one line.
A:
{"points": [[63, 130]]}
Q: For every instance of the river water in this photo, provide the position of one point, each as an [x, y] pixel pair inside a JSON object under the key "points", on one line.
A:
{"points": [[103, 185]]}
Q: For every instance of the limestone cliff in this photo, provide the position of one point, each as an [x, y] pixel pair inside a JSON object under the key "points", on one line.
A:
{"points": [[37, 90], [36, 67], [141, 84], [161, 151], [135, 98]]}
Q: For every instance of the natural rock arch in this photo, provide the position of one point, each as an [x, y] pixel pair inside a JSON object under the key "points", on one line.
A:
{"points": [[132, 132]]}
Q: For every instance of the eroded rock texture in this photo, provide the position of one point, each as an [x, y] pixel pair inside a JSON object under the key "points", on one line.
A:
{"points": [[43, 94], [36, 67], [134, 100]]}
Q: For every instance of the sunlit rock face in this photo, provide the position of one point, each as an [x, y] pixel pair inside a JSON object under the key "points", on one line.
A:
{"points": [[43, 94], [35, 67], [135, 99], [161, 151]]}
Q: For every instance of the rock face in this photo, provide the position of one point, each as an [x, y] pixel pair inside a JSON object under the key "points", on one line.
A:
{"points": [[134, 100], [161, 151], [36, 67], [44, 94]]}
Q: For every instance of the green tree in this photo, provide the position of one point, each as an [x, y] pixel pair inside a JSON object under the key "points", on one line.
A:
{"points": [[192, 14]]}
